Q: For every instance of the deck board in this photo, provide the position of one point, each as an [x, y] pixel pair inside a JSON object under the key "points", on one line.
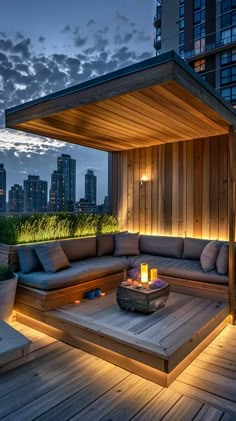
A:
{"points": [[161, 340], [85, 387]]}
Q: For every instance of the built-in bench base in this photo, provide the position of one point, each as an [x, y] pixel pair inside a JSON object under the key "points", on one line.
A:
{"points": [[31, 298]]}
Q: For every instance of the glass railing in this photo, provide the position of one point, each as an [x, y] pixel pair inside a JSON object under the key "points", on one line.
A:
{"points": [[211, 46]]}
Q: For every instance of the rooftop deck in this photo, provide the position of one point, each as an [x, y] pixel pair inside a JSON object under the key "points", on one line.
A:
{"points": [[59, 382]]}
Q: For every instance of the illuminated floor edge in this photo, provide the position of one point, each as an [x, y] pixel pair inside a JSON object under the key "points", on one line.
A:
{"points": [[57, 381], [157, 347]]}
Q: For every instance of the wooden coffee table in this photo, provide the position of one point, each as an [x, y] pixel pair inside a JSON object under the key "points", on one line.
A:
{"points": [[144, 300]]}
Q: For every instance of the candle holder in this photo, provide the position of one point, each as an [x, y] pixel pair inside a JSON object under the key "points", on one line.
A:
{"points": [[153, 274], [144, 274]]}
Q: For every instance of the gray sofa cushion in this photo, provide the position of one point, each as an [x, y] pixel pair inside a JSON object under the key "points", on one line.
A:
{"points": [[209, 256], [29, 261], [126, 244], [78, 272], [222, 261], [79, 248], [180, 268], [105, 244], [193, 248], [161, 246], [52, 257]]}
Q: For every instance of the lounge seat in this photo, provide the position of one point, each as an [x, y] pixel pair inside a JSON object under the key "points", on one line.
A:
{"points": [[78, 272], [180, 268]]}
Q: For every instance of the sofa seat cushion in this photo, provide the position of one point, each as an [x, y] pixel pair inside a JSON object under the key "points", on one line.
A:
{"points": [[180, 268], [78, 272]]}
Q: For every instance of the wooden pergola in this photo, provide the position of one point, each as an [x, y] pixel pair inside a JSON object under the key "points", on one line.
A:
{"points": [[155, 102]]}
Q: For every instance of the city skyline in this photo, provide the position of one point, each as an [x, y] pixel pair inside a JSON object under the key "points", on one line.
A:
{"points": [[80, 192], [38, 58], [11, 190]]}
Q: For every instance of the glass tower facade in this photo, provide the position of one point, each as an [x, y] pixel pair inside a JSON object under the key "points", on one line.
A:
{"points": [[203, 32]]}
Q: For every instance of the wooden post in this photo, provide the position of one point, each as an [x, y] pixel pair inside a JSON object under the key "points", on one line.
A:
{"points": [[231, 202]]}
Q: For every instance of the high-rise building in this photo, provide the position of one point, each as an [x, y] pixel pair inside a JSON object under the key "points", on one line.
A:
{"points": [[35, 194], [2, 188], [56, 193], [16, 199], [67, 166], [91, 187], [203, 32]]}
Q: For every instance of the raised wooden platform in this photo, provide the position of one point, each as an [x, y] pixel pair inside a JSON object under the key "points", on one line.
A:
{"points": [[13, 344], [156, 346], [88, 388]]}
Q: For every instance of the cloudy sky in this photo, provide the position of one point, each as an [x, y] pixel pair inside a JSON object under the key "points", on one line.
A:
{"points": [[49, 45]]}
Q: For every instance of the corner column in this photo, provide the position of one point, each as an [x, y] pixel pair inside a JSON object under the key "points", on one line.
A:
{"points": [[231, 213]]}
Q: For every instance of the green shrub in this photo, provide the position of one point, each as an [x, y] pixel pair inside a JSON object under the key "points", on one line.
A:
{"points": [[43, 227]]}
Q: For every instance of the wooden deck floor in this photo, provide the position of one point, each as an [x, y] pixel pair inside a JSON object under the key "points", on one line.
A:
{"points": [[58, 382]]}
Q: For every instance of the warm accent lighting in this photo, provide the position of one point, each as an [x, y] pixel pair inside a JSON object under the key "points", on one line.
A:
{"points": [[143, 180], [144, 273], [154, 274]]}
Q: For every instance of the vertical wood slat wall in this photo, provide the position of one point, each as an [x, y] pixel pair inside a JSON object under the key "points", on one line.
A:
{"points": [[186, 192]]}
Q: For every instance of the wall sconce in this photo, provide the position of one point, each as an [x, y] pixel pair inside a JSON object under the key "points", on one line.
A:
{"points": [[142, 181]]}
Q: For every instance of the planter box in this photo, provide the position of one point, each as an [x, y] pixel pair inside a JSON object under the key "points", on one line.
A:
{"points": [[7, 298]]}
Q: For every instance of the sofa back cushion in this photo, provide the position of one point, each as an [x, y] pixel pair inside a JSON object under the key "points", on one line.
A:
{"points": [[105, 244], [209, 255], [126, 244], [161, 246], [222, 261], [29, 261], [79, 248], [193, 248]]}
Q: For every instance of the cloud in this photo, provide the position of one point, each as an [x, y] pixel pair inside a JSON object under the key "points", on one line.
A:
{"points": [[80, 41], [27, 145], [41, 39], [66, 29], [91, 22], [121, 19], [142, 37], [123, 39], [25, 75]]}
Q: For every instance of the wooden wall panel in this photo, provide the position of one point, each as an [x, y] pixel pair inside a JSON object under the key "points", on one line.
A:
{"points": [[197, 189], [185, 192]]}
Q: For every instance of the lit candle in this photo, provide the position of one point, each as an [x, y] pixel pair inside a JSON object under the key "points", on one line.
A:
{"points": [[144, 273], [154, 274]]}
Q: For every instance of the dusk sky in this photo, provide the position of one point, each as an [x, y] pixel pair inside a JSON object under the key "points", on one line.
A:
{"points": [[49, 45]]}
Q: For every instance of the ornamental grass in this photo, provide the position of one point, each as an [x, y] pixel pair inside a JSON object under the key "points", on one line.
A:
{"points": [[42, 227]]}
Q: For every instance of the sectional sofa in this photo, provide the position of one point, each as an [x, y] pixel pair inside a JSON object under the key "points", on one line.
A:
{"points": [[56, 273]]}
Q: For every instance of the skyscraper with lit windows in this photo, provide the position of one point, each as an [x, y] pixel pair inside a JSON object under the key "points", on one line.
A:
{"points": [[16, 199], [203, 32], [91, 187], [2, 188], [67, 167], [35, 194]]}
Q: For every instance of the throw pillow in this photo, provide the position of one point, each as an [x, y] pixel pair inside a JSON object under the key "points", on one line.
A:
{"points": [[52, 257], [28, 259], [126, 244], [209, 256], [105, 244], [222, 263]]}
